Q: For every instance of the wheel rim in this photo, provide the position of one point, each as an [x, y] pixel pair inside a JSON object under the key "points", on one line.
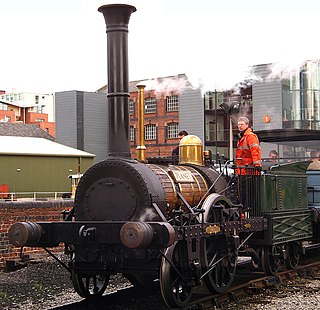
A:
{"points": [[270, 260], [89, 286], [293, 257], [175, 290], [218, 265]]}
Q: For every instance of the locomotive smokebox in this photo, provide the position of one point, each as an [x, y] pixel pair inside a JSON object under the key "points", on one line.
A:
{"points": [[117, 19]]}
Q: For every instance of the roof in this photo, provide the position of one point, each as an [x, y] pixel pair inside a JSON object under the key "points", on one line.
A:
{"points": [[23, 130], [291, 137], [21, 104], [160, 84], [290, 134], [11, 145]]}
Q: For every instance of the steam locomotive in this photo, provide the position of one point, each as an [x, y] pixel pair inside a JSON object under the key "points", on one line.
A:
{"points": [[185, 224]]}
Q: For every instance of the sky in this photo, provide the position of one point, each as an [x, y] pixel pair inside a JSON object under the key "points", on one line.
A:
{"points": [[49, 46]]}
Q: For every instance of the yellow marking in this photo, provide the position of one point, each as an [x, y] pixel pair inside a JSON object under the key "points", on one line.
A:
{"points": [[247, 225], [213, 229]]}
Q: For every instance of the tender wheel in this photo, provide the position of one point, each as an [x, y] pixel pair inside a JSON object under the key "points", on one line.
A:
{"points": [[219, 264], [270, 260], [293, 256], [89, 286], [175, 284]]}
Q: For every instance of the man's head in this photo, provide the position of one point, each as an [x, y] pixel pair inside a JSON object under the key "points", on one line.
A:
{"points": [[314, 155], [182, 134], [243, 123], [273, 156]]}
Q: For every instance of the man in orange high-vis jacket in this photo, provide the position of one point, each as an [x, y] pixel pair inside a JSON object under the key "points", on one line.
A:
{"points": [[248, 148]]}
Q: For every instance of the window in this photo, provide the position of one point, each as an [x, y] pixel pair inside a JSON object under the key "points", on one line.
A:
{"points": [[150, 132], [38, 109], [131, 107], [172, 103], [3, 106], [131, 133], [39, 120], [150, 105], [172, 130]]}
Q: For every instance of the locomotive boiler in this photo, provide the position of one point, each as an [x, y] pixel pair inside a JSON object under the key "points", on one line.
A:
{"points": [[183, 224]]}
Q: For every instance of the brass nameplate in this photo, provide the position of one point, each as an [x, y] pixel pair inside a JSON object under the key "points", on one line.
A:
{"points": [[182, 176], [212, 230]]}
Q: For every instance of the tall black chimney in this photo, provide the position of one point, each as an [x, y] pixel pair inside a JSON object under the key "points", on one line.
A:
{"points": [[117, 19]]}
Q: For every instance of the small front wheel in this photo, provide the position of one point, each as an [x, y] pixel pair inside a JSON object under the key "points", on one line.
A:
{"points": [[89, 285]]}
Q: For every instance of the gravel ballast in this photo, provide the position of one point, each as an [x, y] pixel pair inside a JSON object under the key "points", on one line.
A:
{"points": [[45, 284]]}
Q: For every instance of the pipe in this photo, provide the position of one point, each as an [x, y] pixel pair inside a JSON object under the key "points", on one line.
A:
{"points": [[141, 148], [117, 19]]}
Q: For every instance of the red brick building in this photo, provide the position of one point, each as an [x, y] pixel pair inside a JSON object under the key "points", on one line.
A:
{"points": [[161, 122], [171, 105], [11, 113]]}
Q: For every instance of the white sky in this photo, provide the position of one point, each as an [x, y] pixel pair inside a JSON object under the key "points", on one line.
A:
{"points": [[58, 45]]}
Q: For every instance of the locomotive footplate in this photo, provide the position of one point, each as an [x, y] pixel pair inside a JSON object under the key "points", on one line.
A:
{"points": [[228, 228]]}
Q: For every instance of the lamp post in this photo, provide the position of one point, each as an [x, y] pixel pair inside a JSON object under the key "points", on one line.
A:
{"points": [[230, 108]]}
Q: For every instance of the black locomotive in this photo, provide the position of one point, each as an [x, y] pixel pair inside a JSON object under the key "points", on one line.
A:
{"points": [[184, 224]]}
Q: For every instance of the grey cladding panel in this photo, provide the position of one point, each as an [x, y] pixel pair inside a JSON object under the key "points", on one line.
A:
{"points": [[191, 112], [66, 118], [96, 125], [267, 96]]}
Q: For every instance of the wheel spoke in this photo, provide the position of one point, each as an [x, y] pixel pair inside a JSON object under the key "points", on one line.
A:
{"points": [[175, 289], [219, 274], [89, 286]]}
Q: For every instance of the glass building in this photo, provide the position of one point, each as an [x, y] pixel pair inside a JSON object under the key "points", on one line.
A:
{"points": [[300, 102]]}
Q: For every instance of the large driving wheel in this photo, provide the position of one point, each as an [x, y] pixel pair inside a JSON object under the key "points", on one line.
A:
{"points": [[176, 287], [293, 256], [218, 263], [213, 206], [270, 260], [89, 286]]}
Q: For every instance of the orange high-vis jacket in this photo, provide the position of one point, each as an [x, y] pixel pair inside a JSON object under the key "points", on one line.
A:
{"points": [[248, 151]]}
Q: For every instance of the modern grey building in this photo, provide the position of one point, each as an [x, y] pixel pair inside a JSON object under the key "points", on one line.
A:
{"points": [[81, 121], [289, 98]]}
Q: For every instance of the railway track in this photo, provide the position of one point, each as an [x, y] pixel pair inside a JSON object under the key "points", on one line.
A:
{"points": [[246, 284]]}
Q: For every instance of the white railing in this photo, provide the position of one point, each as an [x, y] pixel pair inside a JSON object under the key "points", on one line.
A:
{"points": [[33, 196]]}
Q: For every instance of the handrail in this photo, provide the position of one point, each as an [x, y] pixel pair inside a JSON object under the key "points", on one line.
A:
{"points": [[32, 196]]}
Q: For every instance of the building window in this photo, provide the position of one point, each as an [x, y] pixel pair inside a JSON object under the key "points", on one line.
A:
{"points": [[39, 120], [172, 103], [131, 133], [3, 106], [150, 132], [131, 107], [172, 130], [150, 105], [38, 109], [7, 119]]}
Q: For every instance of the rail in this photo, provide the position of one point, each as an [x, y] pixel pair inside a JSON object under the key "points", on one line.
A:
{"points": [[33, 196]]}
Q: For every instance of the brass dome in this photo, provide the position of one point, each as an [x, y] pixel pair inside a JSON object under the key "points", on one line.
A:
{"points": [[191, 150]]}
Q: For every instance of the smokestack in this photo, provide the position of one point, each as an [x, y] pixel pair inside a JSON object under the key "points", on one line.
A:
{"points": [[117, 19]]}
